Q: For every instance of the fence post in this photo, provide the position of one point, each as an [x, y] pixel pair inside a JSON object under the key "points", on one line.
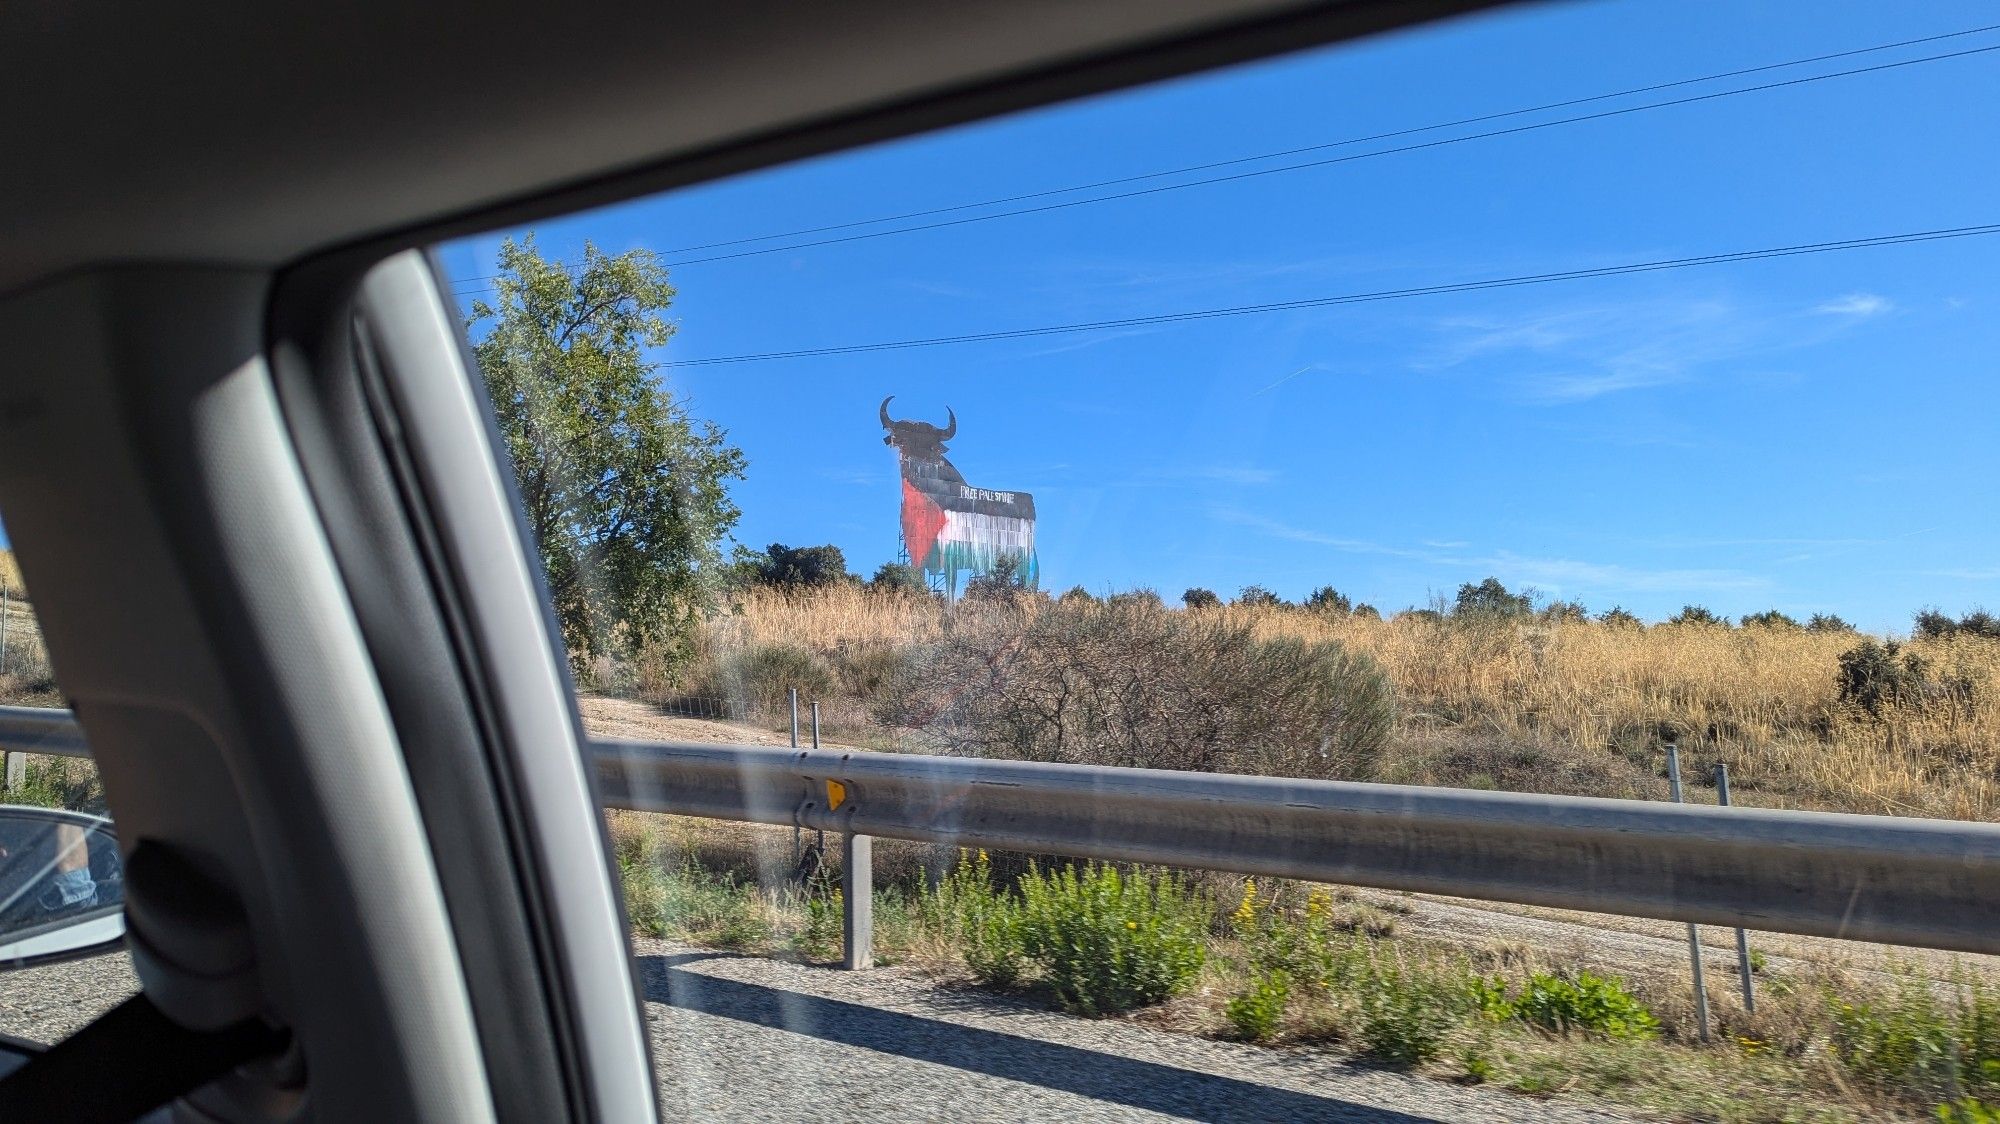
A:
{"points": [[17, 770], [1694, 935], [857, 890], [795, 716], [6, 588], [1742, 938]]}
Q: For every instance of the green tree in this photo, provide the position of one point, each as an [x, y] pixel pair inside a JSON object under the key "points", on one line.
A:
{"points": [[1698, 615], [1491, 601], [1003, 582], [1618, 616], [795, 567], [1256, 596], [1827, 622], [899, 576], [626, 495], [1199, 598], [1327, 599], [1769, 618]]}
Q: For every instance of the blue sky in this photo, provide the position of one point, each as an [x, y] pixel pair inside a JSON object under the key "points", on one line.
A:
{"points": [[1812, 434]]}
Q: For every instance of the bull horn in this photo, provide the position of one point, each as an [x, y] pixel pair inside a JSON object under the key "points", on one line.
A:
{"points": [[886, 423], [951, 430]]}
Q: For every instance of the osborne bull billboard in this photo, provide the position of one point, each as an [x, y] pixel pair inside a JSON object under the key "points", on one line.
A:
{"points": [[951, 528]]}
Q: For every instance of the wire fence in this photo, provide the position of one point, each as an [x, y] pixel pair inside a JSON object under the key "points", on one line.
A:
{"points": [[702, 706]]}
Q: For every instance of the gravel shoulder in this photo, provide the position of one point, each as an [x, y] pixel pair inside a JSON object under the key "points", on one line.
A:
{"points": [[744, 1038], [740, 1038]]}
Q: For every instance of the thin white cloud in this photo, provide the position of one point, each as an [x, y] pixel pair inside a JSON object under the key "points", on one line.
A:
{"points": [[1967, 575], [1579, 352], [1558, 389], [1858, 305]]}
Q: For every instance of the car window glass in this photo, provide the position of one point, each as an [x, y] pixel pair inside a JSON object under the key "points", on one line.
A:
{"points": [[1572, 399]]}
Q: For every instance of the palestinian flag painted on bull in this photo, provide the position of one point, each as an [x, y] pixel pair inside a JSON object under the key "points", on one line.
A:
{"points": [[950, 527]]}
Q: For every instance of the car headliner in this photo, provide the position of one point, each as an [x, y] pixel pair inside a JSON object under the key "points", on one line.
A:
{"points": [[247, 132]]}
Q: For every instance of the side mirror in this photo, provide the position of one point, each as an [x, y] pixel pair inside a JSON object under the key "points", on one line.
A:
{"points": [[62, 886]]}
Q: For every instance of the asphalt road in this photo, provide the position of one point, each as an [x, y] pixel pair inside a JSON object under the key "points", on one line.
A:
{"points": [[745, 1038]]}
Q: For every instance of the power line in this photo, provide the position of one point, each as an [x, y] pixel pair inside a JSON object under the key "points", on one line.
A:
{"points": [[1321, 163], [1392, 135], [1363, 298], [1414, 130]]}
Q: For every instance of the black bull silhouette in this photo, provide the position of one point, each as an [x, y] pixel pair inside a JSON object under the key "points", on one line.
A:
{"points": [[949, 526]]}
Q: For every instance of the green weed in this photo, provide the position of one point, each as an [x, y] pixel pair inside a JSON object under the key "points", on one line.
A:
{"points": [[1109, 941]]}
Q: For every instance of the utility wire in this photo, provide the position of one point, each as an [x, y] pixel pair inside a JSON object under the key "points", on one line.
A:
{"points": [[1320, 163], [1414, 130], [1362, 298]]}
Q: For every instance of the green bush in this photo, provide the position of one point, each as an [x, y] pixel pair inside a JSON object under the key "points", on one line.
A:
{"points": [[1589, 1002], [819, 938], [986, 921], [1255, 1012], [1925, 1046], [762, 675], [1316, 952], [690, 903], [1407, 1012], [1109, 941]]}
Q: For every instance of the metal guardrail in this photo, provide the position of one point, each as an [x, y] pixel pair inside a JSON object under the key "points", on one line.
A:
{"points": [[41, 729], [1928, 883]]}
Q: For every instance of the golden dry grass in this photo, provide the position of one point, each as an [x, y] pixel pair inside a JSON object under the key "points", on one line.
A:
{"points": [[1585, 705]]}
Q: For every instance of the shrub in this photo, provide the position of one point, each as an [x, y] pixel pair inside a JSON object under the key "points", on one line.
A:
{"points": [[1934, 625], [1489, 600], [1968, 1110], [1255, 1012], [1618, 616], [1109, 941], [762, 675], [1878, 678], [1327, 599], [1257, 597], [1566, 612], [899, 577], [1769, 618], [1076, 595], [687, 902], [1198, 598], [1925, 1046], [1132, 684], [1003, 581], [796, 567], [1589, 1002], [986, 921], [1367, 612], [1697, 615], [1406, 1012], [819, 937], [1827, 622]]}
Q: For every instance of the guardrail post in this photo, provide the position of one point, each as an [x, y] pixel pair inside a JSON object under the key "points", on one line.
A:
{"points": [[1742, 938], [1694, 934], [857, 891], [17, 771]]}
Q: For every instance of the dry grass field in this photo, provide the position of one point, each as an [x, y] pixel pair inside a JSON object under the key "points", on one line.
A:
{"points": [[1559, 706]]}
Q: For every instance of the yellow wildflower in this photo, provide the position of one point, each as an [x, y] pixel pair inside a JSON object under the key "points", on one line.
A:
{"points": [[1246, 910]]}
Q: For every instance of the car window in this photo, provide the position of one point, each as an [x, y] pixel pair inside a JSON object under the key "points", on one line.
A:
{"points": [[54, 884], [1586, 400]]}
